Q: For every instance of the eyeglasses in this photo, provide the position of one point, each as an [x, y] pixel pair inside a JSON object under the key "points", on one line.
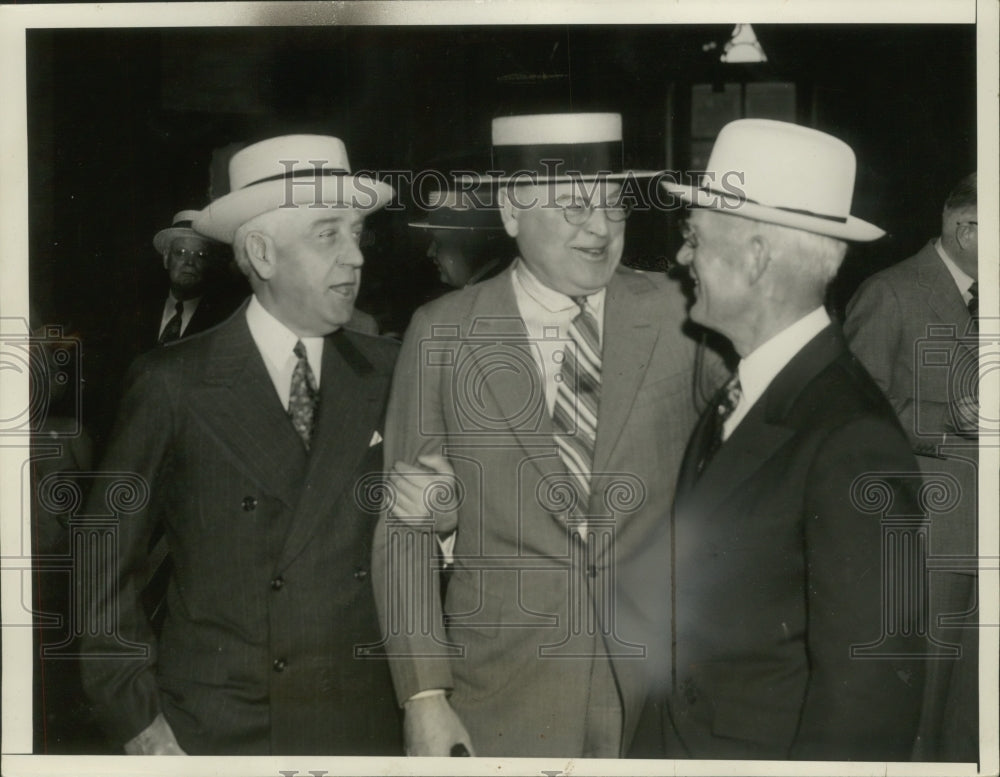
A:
{"points": [[959, 223], [688, 234], [577, 212], [188, 253]]}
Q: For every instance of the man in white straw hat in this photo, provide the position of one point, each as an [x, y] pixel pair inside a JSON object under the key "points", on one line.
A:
{"points": [[560, 392], [794, 623], [250, 439]]}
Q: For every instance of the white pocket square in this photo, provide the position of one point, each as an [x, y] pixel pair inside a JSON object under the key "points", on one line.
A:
{"points": [[376, 439]]}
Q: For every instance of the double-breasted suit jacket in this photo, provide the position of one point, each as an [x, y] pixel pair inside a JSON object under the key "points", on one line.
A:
{"points": [[779, 572], [271, 590], [529, 604]]}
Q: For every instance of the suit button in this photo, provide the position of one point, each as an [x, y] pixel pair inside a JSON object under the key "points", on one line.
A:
{"points": [[279, 665], [249, 503], [360, 574], [277, 583], [592, 571]]}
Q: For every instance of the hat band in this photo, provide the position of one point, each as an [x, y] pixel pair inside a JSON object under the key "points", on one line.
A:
{"points": [[301, 172], [797, 211], [551, 159]]}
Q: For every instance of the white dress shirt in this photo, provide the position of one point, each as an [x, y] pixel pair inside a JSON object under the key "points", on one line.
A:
{"points": [[170, 308], [276, 342], [962, 279], [759, 368], [547, 314]]}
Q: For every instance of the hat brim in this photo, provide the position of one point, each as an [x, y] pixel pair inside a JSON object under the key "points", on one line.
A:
{"points": [[163, 238], [530, 178], [850, 229], [220, 219], [453, 227]]}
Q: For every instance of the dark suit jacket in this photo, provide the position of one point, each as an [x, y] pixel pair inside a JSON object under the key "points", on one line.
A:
{"points": [[778, 573], [909, 327], [467, 385], [270, 591]]}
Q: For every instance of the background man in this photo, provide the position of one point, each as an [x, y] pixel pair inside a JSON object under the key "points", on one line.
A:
{"points": [[468, 244], [929, 304], [778, 570], [561, 393], [251, 438]]}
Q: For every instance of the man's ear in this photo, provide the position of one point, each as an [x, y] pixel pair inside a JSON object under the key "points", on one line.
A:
{"points": [[261, 253], [966, 235], [757, 258], [508, 211], [166, 259]]}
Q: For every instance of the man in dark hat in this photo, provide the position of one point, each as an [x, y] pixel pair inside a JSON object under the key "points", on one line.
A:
{"points": [[560, 392], [250, 439]]}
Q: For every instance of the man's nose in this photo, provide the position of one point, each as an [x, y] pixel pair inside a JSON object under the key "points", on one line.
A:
{"points": [[597, 223], [351, 256], [685, 255], [432, 250]]}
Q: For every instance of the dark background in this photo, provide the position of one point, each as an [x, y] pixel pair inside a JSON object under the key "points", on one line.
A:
{"points": [[122, 126]]}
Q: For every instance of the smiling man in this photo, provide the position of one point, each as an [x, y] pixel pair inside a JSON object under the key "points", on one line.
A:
{"points": [[250, 438], [560, 392]]}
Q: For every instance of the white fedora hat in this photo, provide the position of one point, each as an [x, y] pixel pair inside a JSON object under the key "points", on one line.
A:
{"points": [[784, 174], [463, 210], [181, 227], [289, 171], [551, 147]]}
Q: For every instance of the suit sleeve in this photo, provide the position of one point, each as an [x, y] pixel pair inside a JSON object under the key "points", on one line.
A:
{"points": [[870, 700], [119, 647], [411, 617], [874, 329]]}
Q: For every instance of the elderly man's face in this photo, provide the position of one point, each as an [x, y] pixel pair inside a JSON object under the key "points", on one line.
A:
{"points": [[318, 269], [187, 263], [711, 252], [574, 259]]}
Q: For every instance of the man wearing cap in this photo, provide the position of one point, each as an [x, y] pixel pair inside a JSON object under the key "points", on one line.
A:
{"points": [[914, 326], [560, 394], [247, 443], [468, 244], [787, 643]]}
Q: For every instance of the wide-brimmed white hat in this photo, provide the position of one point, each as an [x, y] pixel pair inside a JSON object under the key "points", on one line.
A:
{"points": [[552, 147], [181, 227], [289, 171], [460, 210], [783, 174]]}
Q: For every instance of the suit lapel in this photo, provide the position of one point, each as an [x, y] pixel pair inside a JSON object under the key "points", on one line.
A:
{"points": [[764, 430], [238, 403], [630, 332], [352, 398], [942, 294]]}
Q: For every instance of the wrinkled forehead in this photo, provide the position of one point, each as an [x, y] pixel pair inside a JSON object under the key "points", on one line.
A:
{"points": [[337, 216], [589, 190]]}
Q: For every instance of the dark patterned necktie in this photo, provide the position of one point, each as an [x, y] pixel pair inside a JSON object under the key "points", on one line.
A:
{"points": [[578, 394], [973, 306], [172, 331], [303, 398], [728, 398]]}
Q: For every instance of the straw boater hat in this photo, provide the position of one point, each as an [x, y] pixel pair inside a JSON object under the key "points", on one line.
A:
{"points": [[288, 171], [553, 147], [181, 227], [788, 175], [466, 211]]}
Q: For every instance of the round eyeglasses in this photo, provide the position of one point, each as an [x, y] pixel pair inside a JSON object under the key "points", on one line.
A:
{"points": [[578, 212]]}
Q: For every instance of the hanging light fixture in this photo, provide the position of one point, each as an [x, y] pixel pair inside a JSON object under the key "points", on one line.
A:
{"points": [[743, 46]]}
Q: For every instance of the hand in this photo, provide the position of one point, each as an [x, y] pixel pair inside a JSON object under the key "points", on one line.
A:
{"points": [[431, 727], [964, 416], [156, 739], [412, 485]]}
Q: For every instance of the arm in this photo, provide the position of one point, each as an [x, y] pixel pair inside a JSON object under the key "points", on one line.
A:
{"points": [[868, 703], [118, 665], [417, 658]]}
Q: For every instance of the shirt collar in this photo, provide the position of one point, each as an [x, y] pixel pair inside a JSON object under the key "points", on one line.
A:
{"points": [[962, 279], [759, 368], [550, 299], [276, 341]]}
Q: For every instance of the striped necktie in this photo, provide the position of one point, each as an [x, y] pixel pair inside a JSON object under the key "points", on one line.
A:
{"points": [[172, 331], [578, 394]]}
